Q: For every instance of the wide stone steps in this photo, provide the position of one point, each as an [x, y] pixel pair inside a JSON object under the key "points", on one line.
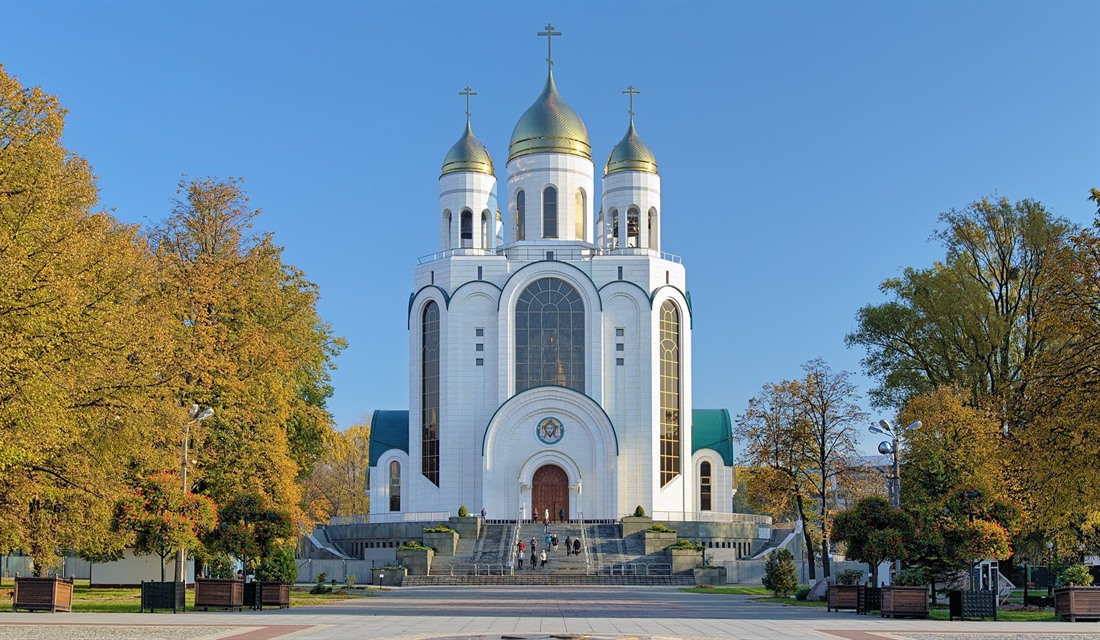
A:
{"points": [[548, 579]]}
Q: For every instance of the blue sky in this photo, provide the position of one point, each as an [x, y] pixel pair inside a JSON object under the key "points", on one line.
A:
{"points": [[805, 148]]}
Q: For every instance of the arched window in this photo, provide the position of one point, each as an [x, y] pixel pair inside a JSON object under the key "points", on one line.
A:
{"points": [[447, 218], [632, 227], [467, 228], [395, 485], [652, 230], [670, 391], [614, 228], [429, 393], [484, 230], [549, 212], [549, 336], [521, 215], [704, 487], [581, 216]]}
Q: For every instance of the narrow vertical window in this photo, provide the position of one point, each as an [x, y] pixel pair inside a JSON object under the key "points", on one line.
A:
{"points": [[632, 228], [395, 486], [651, 221], [429, 393], [484, 230], [549, 212], [521, 215], [670, 391], [704, 487], [467, 228], [448, 243], [580, 216], [614, 228]]}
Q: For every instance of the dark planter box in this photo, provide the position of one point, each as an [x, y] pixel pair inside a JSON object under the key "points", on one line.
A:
{"points": [[842, 596], [258, 595], [971, 604], [870, 599], [42, 594], [904, 601], [220, 594], [163, 595], [1077, 603]]}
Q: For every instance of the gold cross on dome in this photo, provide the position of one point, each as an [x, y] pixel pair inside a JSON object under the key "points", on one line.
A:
{"points": [[549, 33], [631, 91], [467, 92]]}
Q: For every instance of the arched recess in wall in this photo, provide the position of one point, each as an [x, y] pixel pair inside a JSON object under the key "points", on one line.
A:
{"points": [[632, 228], [614, 228], [580, 217], [521, 215], [484, 229], [654, 229], [466, 228], [550, 212]]}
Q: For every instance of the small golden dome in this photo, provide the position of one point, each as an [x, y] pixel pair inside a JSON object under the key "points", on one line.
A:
{"points": [[631, 154], [549, 125], [468, 154]]}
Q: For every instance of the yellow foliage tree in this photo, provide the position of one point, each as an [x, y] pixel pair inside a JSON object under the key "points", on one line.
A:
{"points": [[338, 485]]}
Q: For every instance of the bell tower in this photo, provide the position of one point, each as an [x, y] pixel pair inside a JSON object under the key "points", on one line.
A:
{"points": [[468, 221]]}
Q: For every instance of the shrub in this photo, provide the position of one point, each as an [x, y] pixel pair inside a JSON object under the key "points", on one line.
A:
{"points": [[780, 574], [802, 592], [321, 587], [685, 544], [639, 512], [280, 566], [462, 512], [1075, 575], [439, 528], [849, 576], [349, 582], [911, 577], [412, 545], [660, 528], [221, 567]]}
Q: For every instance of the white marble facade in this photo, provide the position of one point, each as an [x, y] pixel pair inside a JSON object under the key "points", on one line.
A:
{"points": [[525, 413]]}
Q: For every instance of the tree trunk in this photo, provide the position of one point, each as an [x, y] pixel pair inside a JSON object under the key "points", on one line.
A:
{"points": [[806, 538], [825, 565]]}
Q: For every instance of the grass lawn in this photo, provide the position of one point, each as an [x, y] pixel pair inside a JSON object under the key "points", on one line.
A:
{"points": [[97, 600]]}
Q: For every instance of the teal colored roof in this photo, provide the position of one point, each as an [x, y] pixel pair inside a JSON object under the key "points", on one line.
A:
{"points": [[712, 429], [388, 430]]}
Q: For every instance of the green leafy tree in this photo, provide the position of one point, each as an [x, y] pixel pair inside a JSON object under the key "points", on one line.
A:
{"points": [[780, 573], [163, 518], [251, 528], [874, 531]]}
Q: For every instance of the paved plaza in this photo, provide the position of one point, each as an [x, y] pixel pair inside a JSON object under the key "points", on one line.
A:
{"points": [[528, 613]]}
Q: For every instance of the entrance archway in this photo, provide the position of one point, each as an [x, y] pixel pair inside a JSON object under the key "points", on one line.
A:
{"points": [[550, 491]]}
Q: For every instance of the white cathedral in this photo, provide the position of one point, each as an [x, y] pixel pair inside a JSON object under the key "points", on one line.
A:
{"points": [[550, 361]]}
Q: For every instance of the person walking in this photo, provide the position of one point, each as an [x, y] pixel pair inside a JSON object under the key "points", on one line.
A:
{"points": [[519, 559], [534, 559], [561, 515], [542, 557], [568, 545], [576, 546]]}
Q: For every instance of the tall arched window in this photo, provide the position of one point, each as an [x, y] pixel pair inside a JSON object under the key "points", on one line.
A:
{"points": [[614, 228], [448, 240], [632, 227], [549, 212], [670, 391], [581, 216], [467, 228], [704, 487], [395, 485], [549, 336], [429, 393], [652, 229], [521, 215]]}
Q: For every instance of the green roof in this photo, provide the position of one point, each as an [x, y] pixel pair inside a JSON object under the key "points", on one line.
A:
{"points": [[388, 430], [712, 429]]}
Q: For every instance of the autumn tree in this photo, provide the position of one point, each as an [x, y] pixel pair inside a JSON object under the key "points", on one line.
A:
{"points": [[971, 319], [874, 532], [249, 343], [338, 484], [162, 518], [83, 398], [251, 528], [827, 405]]}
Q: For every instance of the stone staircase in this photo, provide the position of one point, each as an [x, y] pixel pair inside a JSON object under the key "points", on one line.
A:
{"points": [[610, 560]]}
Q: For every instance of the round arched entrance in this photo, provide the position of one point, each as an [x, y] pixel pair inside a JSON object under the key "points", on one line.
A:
{"points": [[550, 491]]}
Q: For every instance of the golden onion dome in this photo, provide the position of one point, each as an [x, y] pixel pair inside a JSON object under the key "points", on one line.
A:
{"points": [[468, 154], [549, 125], [631, 154]]}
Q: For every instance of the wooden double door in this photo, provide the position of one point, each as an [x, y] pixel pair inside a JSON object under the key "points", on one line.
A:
{"points": [[550, 491]]}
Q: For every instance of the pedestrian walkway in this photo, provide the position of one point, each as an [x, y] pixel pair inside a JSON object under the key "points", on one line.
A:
{"points": [[486, 613]]}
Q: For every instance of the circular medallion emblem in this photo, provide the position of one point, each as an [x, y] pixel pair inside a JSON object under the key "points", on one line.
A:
{"points": [[549, 431]]}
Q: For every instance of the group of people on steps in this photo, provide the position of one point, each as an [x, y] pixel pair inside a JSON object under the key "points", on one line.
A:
{"points": [[539, 559]]}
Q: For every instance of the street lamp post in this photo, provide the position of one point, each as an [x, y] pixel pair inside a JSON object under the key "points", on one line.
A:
{"points": [[196, 415], [890, 447], [1027, 579], [1050, 569]]}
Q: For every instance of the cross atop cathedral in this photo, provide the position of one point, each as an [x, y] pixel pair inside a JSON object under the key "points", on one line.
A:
{"points": [[467, 92], [549, 33], [631, 91]]}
